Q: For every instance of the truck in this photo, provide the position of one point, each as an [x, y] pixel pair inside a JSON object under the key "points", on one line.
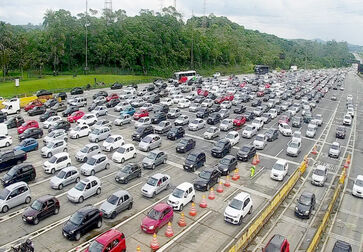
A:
{"points": [[10, 158], [11, 107]]}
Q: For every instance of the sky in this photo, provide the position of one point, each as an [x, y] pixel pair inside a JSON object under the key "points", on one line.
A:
{"points": [[341, 20]]}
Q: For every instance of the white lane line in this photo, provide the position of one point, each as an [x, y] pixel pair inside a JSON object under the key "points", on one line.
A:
{"points": [[279, 152], [276, 158], [39, 182], [169, 243], [229, 196]]}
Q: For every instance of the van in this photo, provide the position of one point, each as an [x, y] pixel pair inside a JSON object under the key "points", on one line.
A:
{"points": [[79, 102], [14, 195], [181, 196], [22, 172], [3, 129]]}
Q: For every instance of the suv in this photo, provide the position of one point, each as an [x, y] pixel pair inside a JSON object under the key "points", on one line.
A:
{"points": [[14, 195], [57, 162], [40, 209], [181, 196], [82, 221], [153, 159], [221, 148], [84, 189], [22, 172], [87, 151], [116, 203], [238, 208], [141, 132]]}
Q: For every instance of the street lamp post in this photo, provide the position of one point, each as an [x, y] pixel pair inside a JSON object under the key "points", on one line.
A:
{"points": [[86, 25]]}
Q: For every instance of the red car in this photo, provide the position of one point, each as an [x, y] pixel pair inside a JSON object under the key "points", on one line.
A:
{"points": [[224, 98], [157, 217], [260, 93], [267, 85], [243, 84], [141, 113], [75, 116], [110, 241], [32, 104], [28, 125], [202, 92], [284, 119], [112, 97], [277, 243], [239, 121]]}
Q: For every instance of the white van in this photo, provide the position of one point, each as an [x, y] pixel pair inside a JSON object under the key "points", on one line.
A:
{"points": [[79, 102], [3, 129], [12, 106]]}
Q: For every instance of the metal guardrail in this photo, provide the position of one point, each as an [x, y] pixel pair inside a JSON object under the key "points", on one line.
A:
{"points": [[266, 213]]}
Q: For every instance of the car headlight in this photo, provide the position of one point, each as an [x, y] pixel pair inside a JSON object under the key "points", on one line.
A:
{"points": [[122, 178], [177, 202], [151, 227], [306, 212], [296, 208]]}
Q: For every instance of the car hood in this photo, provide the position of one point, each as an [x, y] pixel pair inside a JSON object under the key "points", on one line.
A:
{"points": [[258, 142], [56, 181], [6, 177], [302, 208], [148, 188], [231, 211], [18, 147], [291, 149], [107, 207], [148, 160], [157, 127], [81, 154], [243, 153], [216, 149], [22, 128], [277, 172], [149, 222], [121, 174], [87, 167], [44, 149], [200, 181], [222, 167], [74, 192], [69, 226], [317, 177], [30, 212]]}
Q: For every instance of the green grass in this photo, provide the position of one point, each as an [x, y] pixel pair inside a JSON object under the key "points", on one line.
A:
{"points": [[65, 83]]}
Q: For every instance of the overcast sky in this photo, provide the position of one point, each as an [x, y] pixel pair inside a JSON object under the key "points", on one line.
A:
{"points": [[341, 20]]}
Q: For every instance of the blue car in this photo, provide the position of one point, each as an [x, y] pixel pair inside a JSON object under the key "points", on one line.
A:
{"points": [[130, 110], [29, 144]]}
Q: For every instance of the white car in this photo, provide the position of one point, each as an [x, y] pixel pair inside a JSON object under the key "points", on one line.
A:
{"points": [[177, 98], [350, 112], [279, 170], [155, 184], [238, 208], [285, 129], [311, 130], [79, 131], [123, 119], [273, 113], [347, 120], [249, 131], [358, 187], [296, 137], [142, 121], [84, 189], [334, 150], [123, 153], [226, 125], [233, 137], [196, 124], [183, 103], [5, 141], [87, 151], [100, 111], [319, 119], [260, 141], [121, 105], [181, 196], [181, 120], [258, 111], [57, 162], [258, 123], [65, 177], [207, 103], [319, 175], [226, 105], [147, 106], [88, 119], [53, 147], [211, 132], [113, 142], [51, 121], [293, 148], [194, 107], [167, 101], [59, 134]]}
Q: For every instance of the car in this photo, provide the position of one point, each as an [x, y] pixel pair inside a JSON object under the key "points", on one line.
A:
{"points": [[59, 134], [150, 142], [123, 119], [256, 103], [163, 127], [194, 160], [203, 113], [5, 141], [128, 110], [272, 134], [143, 121], [158, 117], [249, 131], [181, 196], [99, 134], [340, 132], [51, 121], [100, 111], [87, 152], [249, 116], [347, 120], [273, 113], [333, 98], [334, 150], [59, 107], [311, 130], [176, 133], [196, 124], [88, 119], [142, 131], [153, 159], [307, 117], [128, 172], [239, 109], [27, 125], [258, 111], [296, 122], [319, 175], [293, 148], [116, 203], [260, 141], [246, 152], [57, 162], [184, 103], [14, 195], [76, 91], [158, 216], [357, 189], [224, 113], [227, 164], [101, 93], [27, 145], [279, 170], [155, 184], [37, 111], [113, 96], [95, 164], [84, 189], [75, 116], [174, 113], [211, 133], [53, 147], [70, 110], [305, 205], [284, 119], [285, 129], [221, 148], [41, 208], [31, 133], [238, 208], [113, 142], [185, 145], [21, 172], [226, 124], [342, 246], [123, 153], [79, 131], [64, 177], [214, 118], [319, 119], [14, 122], [60, 125], [207, 179], [239, 121], [33, 104], [47, 115], [277, 243], [82, 221], [233, 137]]}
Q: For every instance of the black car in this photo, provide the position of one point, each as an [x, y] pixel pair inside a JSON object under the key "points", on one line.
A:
{"points": [[227, 164], [340, 132], [194, 160], [62, 95], [141, 132], [60, 125], [207, 179], [221, 148], [161, 108], [128, 172], [342, 246], [100, 93], [202, 113], [278, 109], [256, 103], [246, 152], [245, 98], [176, 133], [3, 117], [82, 221], [199, 99], [153, 99], [69, 111], [266, 98], [92, 106], [37, 111], [296, 122], [41, 208], [112, 103], [32, 132], [46, 115], [76, 91], [21, 172], [305, 205], [307, 117], [185, 145], [272, 134], [14, 122], [240, 109], [211, 96], [158, 117], [249, 116], [50, 103], [116, 86], [215, 108], [214, 119], [43, 92]]}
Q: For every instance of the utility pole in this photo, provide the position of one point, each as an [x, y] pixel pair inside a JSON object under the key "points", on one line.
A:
{"points": [[86, 25]]}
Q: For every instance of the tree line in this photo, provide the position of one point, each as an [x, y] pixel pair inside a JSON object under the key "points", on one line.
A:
{"points": [[154, 43]]}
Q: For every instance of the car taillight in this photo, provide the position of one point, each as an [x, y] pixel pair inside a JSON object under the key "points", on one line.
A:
{"points": [[101, 214]]}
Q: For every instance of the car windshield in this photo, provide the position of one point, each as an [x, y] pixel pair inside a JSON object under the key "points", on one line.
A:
{"points": [[146, 139], [245, 149], [278, 167], [178, 193], [230, 136], [121, 150], [52, 160], [126, 169], [260, 138], [153, 214], [152, 181], [51, 134], [50, 145], [76, 218], [236, 204], [249, 128], [95, 246], [61, 174], [319, 172], [220, 144], [311, 128], [305, 200], [37, 205], [110, 140], [334, 147], [80, 186], [91, 161], [96, 131], [195, 121], [359, 182], [140, 130], [24, 124], [152, 155], [340, 129], [297, 134], [225, 122], [84, 149], [4, 193], [205, 175], [112, 199], [293, 144]]}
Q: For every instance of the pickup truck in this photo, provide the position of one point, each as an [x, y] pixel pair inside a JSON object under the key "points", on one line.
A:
{"points": [[10, 158]]}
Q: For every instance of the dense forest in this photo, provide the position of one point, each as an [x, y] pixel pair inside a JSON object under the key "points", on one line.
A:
{"points": [[153, 43]]}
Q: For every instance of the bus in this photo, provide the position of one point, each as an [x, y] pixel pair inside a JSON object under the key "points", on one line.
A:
{"points": [[261, 69], [184, 76]]}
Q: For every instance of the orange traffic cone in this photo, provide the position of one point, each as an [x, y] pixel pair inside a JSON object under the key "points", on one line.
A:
{"points": [[193, 211], [211, 195], [257, 158], [154, 244], [346, 165], [348, 159], [203, 203], [138, 249], [314, 151], [181, 221], [227, 183], [169, 231], [220, 187], [254, 160], [236, 175]]}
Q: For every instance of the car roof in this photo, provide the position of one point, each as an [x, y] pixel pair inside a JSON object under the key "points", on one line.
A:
{"points": [[16, 185], [158, 175], [184, 185], [360, 177], [90, 145], [97, 156], [161, 206], [90, 178], [61, 154], [86, 209], [229, 157], [307, 194], [108, 236], [321, 167], [242, 196], [275, 243], [128, 145], [281, 161], [45, 198], [69, 168], [120, 193]]}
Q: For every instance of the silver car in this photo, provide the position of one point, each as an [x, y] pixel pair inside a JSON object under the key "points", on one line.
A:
{"points": [[54, 147], [116, 203], [334, 150], [150, 142], [100, 111], [154, 159], [95, 164], [102, 123], [162, 127], [123, 119], [59, 134], [14, 195], [99, 134], [155, 184], [88, 151], [65, 177]]}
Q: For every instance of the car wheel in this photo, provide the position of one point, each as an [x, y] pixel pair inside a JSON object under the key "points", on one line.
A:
{"points": [[49, 155], [164, 161], [250, 211], [130, 206], [111, 149], [69, 164], [35, 221], [37, 147], [98, 191], [240, 221], [181, 207], [93, 172], [77, 136], [81, 199], [28, 199], [193, 198], [77, 236], [153, 167], [60, 187], [208, 187], [96, 140], [122, 160], [139, 175], [148, 149], [113, 215], [65, 150], [7, 144], [78, 179], [5, 209], [52, 171], [134, 156]]}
